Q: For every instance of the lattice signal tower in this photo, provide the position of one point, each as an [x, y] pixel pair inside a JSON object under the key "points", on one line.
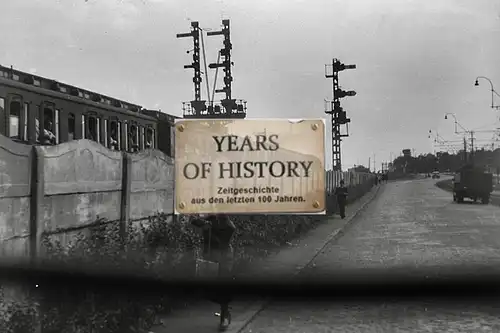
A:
{"points": [[339, 116], [228, 107]]}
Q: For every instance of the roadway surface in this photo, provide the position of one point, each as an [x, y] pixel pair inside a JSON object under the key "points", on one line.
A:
{"points": [[409, 224]]}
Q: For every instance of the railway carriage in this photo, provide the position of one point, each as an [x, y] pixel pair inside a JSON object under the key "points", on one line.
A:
{"points": [[39, 111]]}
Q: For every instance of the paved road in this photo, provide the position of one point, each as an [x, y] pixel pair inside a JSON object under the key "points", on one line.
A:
{"points": [[410, 224]]}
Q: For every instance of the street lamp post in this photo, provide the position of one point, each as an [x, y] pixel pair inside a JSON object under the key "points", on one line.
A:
{"points": [[466, 132], [493, 92], [440, 142], [456, 122]]}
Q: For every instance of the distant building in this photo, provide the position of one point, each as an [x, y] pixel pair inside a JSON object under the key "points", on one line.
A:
{"points": [[407, 152]]}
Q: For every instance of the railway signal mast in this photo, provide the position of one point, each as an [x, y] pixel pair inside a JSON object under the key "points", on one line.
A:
{"points": [[228, 107], [333, 108], [197, 106]]}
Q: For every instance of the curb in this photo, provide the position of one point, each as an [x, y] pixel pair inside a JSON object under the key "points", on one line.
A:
{"points": [[257, 307]]}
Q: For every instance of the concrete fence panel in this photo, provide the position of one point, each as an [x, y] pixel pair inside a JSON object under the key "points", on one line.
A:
{"points": [[15, 193], [62, 190], [82, 181], [152, 184]]}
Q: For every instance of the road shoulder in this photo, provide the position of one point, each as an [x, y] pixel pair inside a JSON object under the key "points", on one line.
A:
{"points": [[288, 262]]}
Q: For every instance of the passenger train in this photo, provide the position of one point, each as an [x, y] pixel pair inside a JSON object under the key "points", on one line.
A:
{"points": [[39, 111]]}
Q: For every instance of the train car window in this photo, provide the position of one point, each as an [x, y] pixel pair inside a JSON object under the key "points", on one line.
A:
{"points": [[142, 138], [114, 137], [71, 127], [133, 138], [57, 131], [48, 126], [14, 119], [83, 126], [125, 127], [105, 138], [2, 116], [149, 139], [37, 128], [48, 136], [98, 125], [91, 128], [25, 111], [119, 134]]}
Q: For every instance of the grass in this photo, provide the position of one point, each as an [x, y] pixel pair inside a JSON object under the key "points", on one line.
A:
{"points": [[160, 247]]}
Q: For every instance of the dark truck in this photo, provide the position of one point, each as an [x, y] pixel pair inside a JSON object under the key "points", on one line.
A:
{"points": [[473, 183]]}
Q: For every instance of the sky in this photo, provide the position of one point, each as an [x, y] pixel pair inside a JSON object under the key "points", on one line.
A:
{"points": [[416, 60]]}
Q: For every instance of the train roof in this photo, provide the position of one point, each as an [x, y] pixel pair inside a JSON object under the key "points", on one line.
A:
{"points": [[40, 82], [161, 115]]}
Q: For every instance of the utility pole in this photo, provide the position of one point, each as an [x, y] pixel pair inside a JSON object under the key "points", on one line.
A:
{"points": [[465, 151], [369, 163], [472, 146], [339, 116]]}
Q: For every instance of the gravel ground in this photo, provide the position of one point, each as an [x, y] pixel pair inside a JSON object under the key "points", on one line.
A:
{"points": [[410, 224]]}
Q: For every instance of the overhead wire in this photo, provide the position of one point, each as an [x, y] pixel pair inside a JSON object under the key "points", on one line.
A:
{"points": [[496, 123]]}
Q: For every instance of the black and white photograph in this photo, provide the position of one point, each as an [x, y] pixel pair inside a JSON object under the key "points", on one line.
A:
{"points": [[263, 166]]}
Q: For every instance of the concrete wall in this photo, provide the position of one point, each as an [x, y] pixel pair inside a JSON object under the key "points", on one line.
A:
{"points": [[351, 179], [16, 170], [60, 190]]}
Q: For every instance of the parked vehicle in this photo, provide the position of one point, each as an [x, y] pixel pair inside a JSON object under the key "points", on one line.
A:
{"points": [[473, 183], [436, 175]]}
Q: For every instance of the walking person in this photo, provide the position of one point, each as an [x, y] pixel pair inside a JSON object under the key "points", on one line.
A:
{"points": [[341, 193], [218, 231]]}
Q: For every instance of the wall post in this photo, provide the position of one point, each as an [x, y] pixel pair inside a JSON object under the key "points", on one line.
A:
{"points": [[36, 200]]}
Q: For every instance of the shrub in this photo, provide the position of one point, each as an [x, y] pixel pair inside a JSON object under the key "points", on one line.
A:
{"points": [[259, 235], [17, 316], [156, 247]]}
